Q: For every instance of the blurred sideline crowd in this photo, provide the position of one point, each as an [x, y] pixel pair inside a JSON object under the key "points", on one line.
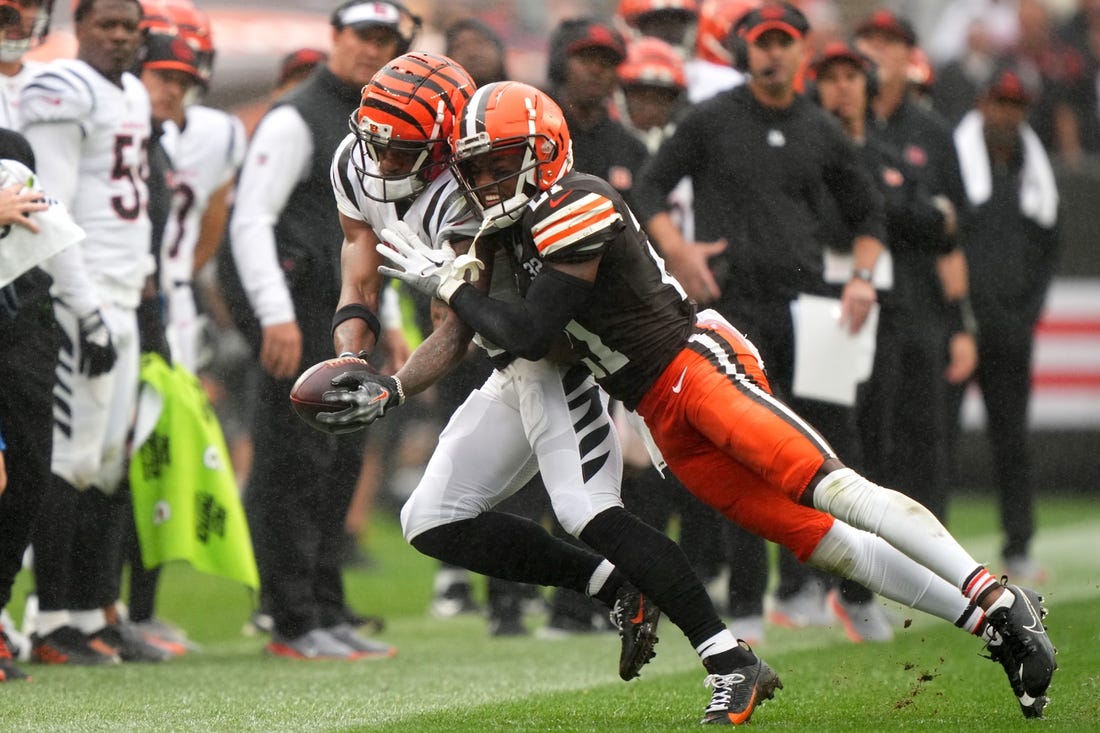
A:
{"points": [[182, 205]]}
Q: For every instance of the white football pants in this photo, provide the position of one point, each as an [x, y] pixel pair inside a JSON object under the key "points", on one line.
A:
{"points": [[93, 415], [526, 418]]}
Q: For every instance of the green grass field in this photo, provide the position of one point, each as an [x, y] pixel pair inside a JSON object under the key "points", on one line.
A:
{"points": [[451, 676]]}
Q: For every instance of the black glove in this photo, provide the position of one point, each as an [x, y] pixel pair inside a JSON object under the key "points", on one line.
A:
{"points": [[97, 353], [368, 396]]}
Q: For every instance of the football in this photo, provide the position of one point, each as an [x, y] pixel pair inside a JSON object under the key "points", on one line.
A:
{"points": [[307, 394]]}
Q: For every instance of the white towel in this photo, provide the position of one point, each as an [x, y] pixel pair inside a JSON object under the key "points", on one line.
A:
{"points": [[1038, 188], [20, 248]]}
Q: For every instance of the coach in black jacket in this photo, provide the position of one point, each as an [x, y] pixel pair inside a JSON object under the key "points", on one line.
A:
{"points": [[286, 241], [764, 161]]}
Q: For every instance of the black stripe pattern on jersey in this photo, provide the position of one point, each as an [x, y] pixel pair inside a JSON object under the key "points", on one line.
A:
{"points": [[405, 87], [591, 426], [433, 211], [723, 357], [63, 386], [55, 83], [342, 169]]}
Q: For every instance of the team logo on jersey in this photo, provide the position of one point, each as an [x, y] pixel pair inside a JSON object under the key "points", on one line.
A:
{"points": [[776, 138], [916, 155], [620, 177]]}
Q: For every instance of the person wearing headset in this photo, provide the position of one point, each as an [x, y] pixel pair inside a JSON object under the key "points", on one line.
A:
{"points": [[762, 158], [286, 238]]}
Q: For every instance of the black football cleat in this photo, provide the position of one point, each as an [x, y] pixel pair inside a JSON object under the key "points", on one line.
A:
{"points": [[636, 617], [737, 694], [1024, 650]]}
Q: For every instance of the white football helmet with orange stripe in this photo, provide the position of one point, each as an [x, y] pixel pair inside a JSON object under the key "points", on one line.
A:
{"points": [[516, 133]]}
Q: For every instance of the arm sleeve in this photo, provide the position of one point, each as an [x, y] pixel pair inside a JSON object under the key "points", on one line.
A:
{"points": [[526, 329], [56, 147], [276, 161], [71, 284], [54, 106]]}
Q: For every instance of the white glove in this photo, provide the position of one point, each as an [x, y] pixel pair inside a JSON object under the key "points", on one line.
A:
{"points": [[435, 272]]}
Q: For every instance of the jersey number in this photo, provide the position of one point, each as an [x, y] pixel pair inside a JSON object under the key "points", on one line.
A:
{"points": [[123, 170], [185, 200]]}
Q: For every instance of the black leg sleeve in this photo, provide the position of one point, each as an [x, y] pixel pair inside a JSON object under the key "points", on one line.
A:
{"points": [[658, 567], [510, 548]]}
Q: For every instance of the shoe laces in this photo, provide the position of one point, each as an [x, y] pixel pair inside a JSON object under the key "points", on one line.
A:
{"points": [[724, 686], [622, 611]]}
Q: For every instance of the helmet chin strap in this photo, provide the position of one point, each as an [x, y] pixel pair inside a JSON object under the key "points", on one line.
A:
{"points": [[512, 207]]}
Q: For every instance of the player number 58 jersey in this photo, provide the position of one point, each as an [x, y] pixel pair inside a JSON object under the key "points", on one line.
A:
{"points": [[111, 198]]}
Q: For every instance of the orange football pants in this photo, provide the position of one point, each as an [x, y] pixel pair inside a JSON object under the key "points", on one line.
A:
{"points": [[731, 443]]}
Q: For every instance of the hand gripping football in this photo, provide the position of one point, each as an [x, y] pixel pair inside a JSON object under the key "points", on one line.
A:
{"points": [[307, 394]]}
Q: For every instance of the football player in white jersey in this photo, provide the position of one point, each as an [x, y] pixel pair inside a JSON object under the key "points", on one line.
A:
{"points": [[88, 121], [530, 416], [206, 154], [390, 172]]}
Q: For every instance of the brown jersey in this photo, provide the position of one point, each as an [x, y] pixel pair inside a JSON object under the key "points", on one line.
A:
{"points": [[638, 317]]}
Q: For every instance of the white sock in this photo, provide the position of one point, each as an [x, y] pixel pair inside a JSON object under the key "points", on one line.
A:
{"points": [[904, 523], [47, 622], [88, 621], [723, 641], [1005, 600], [599, 577], [875, 563]]}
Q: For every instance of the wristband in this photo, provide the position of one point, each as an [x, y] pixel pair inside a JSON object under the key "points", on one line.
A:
{"points": [[356, 310], [400, 389], [862, 273], [961, 318]]}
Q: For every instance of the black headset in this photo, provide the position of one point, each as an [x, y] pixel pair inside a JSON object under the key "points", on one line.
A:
{"points": [[405, 42], [739, 51], [738, 47]]}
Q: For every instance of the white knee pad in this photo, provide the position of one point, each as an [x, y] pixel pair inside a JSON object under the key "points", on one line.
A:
{"points": [[866, 505]]}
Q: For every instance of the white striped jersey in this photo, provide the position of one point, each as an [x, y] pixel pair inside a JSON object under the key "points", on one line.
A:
{"points": [[437, 214], [11, 87], [206, 155], [110, 199]]}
